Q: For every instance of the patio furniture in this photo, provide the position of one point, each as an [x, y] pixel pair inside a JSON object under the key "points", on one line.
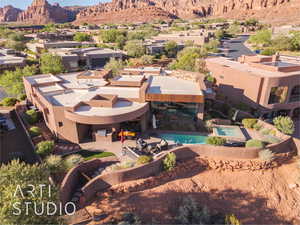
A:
{"points": [[163, 145], [141, 144]]}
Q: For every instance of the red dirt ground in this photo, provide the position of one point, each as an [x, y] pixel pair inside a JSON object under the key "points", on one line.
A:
{"points": [[258, 197]]}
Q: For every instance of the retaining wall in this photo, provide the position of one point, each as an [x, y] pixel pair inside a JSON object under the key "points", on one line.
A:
{"points": [[71, 180]]}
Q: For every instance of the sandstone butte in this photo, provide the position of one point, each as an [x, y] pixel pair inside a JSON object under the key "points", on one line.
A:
{"points": [[123, 11]]}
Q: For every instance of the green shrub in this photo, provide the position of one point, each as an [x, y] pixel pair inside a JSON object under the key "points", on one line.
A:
{"points": [[32, 116], [257, 126], [271, 139], [210, 78], [55, 163], [266, 155], [9, 101], [218, 141], [249, 122], [284, 124], [35, 131], [73, 160], [265, 131], [169, 161], [44, 148], [232, 220], [123, 165], [190, 213], [143, 159], [273, 132], [252, 143], [268, 51], [22, 97]]}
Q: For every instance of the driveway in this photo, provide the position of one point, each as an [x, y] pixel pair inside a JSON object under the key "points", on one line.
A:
{"points": [[236, 47]]}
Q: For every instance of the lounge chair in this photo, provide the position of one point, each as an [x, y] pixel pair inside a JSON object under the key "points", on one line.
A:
{"points": [[141, 144], [163, 145]]}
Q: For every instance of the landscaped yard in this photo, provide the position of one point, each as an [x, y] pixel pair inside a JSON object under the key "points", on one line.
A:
{"points": [[88, 155]]}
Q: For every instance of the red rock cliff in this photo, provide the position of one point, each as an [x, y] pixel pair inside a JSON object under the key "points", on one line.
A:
{"points": [[9, 13]]}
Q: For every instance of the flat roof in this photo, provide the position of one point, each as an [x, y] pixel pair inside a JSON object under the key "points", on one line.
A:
{"points": [[128, 78], [72, 97], [173, 86], [120, 107], [248, 68], [70, 81], [41, 79], [51, 88]]}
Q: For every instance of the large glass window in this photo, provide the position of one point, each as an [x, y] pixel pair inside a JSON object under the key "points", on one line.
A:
{"points": [[278, 94], [295, 94], [175, 115]]}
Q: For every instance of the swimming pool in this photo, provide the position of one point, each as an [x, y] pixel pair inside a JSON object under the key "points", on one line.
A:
{"points": [[183, 138]]}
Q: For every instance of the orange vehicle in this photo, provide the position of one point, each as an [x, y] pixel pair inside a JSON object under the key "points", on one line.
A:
{"points": [[130, 134]]}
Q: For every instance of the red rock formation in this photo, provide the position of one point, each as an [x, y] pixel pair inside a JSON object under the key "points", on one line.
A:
{"points": [[41, 12], [103, 13], [9, 13]]}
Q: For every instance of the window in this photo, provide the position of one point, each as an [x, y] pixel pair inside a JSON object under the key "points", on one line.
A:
{"points": [[278, 95], [60, 124], [295, 94]]}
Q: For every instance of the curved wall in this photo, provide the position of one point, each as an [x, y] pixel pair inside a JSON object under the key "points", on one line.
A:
{"points": [[106, 119]]}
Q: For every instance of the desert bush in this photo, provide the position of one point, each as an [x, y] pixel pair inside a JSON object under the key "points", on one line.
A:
{"points": [[273, 132], [249, 122], [252, 143], [266, 155], [268, 51], [130, 219], [190, 213], [44, 148], [147, 59], [271, 139], [73, 160], [123, 165], [284, 124], [31, 116], [257, 126], [22, 97], [55, 163], [217, 141], [35, 131], [143, 159], [9, 101], [231, 219], [169, 161], [265, 131]]}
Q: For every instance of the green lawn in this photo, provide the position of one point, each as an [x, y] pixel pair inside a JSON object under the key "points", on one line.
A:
{"points": [[88, 155]]}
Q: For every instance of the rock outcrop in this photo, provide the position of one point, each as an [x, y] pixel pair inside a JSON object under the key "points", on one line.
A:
{"points": [[9, 13], [41, 12], [186, 9]]}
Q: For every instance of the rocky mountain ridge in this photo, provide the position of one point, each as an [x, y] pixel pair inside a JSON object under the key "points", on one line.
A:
{"points": [[120, 11]]}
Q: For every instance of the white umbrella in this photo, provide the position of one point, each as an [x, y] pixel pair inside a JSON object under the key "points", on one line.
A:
{"points": [[154, 125]]}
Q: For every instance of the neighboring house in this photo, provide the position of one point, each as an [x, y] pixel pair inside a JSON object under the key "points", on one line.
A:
{"points": [[91, 58], [9, 60], [154, 47], [198, 37], [89, 106], [42, 45], [269, 84]]}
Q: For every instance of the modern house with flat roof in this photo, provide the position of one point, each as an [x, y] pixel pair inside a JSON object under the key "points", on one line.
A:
{"points": [[270, 84], [92, 105], [154, 47], [9, 60], [198, 37], [90, 58]]}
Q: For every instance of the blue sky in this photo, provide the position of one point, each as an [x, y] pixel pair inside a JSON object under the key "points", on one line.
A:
{"points": [[22, 4]]}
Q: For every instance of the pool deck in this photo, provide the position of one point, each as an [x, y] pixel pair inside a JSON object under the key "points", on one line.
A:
{"points": [[116, 147]]}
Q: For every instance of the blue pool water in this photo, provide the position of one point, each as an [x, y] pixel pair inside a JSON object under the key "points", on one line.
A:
{"points": [[183, 138], [227, 131]]}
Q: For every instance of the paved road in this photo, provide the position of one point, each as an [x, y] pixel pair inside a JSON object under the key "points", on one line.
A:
{"points": [[237, 47]]}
